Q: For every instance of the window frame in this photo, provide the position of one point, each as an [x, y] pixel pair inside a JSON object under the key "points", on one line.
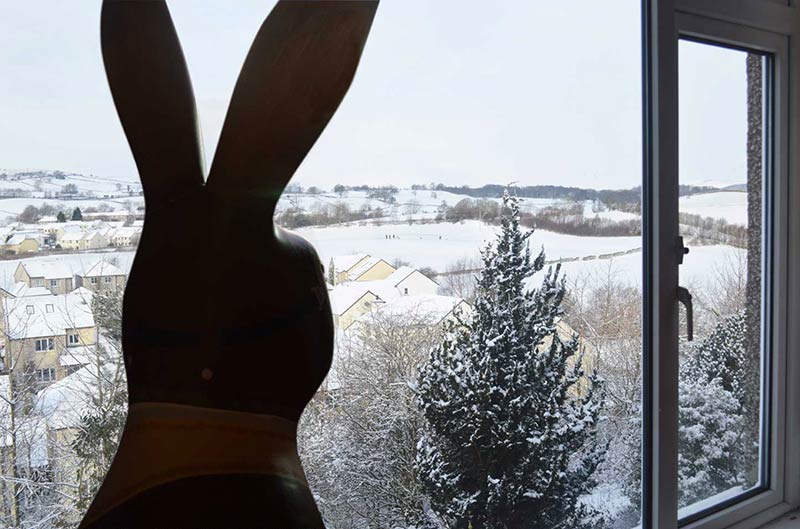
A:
{"points": [[48, 345], [758, 25], [51, 375]]}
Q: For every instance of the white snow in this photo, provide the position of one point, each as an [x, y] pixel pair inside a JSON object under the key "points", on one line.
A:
{"points": [[728, 205]]}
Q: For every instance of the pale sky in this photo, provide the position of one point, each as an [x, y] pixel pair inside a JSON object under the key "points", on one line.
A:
{"points": [[452, 91]]}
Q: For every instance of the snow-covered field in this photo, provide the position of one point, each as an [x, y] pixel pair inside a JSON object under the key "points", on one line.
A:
{"points": [[728, 205], [39, 182], [14, 206], [438, 245]]}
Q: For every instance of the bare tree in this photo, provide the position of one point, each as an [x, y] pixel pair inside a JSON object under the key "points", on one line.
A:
{"points": [[358, 437], [460, 278]]}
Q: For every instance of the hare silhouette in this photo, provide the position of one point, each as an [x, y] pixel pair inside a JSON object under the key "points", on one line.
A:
{"points": [[227, 328]]}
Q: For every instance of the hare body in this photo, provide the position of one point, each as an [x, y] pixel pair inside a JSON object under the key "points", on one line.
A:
{"points": [[224, 313]]}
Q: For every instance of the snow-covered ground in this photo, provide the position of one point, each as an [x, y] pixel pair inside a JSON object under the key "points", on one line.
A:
{"points": [[728, 205], [39, 182], [15, 206], [438, 245]]}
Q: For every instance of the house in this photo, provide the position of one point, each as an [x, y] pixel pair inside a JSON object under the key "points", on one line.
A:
{"points": [[423, 309], [43, 335], [360, 267], [54, 275], [70, 239], [24, 243], [407, 281], [93, 240], [101, 275], [342, 264], [83, 240], [348, 302], [351, 299], [370, 269], [126, 236]]}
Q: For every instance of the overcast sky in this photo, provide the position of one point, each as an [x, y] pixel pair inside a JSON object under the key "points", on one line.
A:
{"points": [[447, 91]]}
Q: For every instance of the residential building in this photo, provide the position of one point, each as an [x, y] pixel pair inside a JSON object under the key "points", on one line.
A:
{"points": [[101, 275], [20, 243], [54, 275], [348, 302], [371, 269], [126, 236], [46, 336]]}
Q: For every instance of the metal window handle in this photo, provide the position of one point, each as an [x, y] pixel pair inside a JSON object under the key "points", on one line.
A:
{"points": [[686, 298]]}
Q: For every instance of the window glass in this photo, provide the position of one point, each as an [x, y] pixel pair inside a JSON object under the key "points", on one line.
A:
{"points": [[409, 176], [724, 216], [69, 199], [434, 409]]}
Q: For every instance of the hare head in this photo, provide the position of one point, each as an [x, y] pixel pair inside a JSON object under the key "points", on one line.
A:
{"points": [[223, 309]]}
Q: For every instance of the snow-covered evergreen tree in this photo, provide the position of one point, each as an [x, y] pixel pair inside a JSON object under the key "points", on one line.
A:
{"points": [[722, 355], [719, 413], [710, 432], [511, 416]]}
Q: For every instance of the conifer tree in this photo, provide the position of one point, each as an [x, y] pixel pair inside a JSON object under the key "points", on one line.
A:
{"points": [[511, 417], [76, 214], [331, 273], [61, 217]]}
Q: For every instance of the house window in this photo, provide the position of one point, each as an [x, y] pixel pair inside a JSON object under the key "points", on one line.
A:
{"points": [[107, 279], [73, 339], [53, 283], [405, 290], [29, 309], [44, 344], [49, 308], [93, 280], [46, 375], [37, 282]]}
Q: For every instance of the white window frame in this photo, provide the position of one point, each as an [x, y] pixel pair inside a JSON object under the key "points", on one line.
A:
{"points": [[53, 283], [48, 345], [762, 25], [51, 374], [73, 338], [93, 280]]}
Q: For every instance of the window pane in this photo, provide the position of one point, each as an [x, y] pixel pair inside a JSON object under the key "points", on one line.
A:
{"points": [[400, 196], [722, 221]]}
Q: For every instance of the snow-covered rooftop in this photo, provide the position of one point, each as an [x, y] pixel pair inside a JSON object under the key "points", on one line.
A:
{"points": [[346, 295], [53, 315], [430, 308], [48, 269], [18, 238], [362, 268], [343, 263], [22, 289], [103, 268]]}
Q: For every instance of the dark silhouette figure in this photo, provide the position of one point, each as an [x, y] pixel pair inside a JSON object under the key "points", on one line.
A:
{"points": [[227, 329]]}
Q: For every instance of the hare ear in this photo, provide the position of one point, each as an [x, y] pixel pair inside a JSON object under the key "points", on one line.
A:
{"points": [[298, 70], [153, 95]]}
